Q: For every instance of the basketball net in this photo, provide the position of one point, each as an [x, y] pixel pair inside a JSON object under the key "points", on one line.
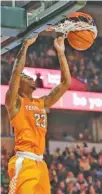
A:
{"points": [[72, 26]]}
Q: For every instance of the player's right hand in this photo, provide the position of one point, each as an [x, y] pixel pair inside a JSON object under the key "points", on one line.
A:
{"points": [[59, 44], [30, 41]]}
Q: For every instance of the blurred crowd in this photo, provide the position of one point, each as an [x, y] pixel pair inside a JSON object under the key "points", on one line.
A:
{"points": [[76, 170], [85, 66]]}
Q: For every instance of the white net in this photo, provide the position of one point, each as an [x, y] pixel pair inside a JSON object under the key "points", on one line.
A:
{"points": [[12, 187], [69, 26]]}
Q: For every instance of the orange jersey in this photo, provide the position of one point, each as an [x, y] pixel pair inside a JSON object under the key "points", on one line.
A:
{"points": [[30, 125]]}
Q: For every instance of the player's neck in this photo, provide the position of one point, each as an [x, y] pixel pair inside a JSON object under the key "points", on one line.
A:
{"points": [[28, 96]]}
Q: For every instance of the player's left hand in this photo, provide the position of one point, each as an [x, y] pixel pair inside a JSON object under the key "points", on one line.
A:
{"points": [[59, 44]]}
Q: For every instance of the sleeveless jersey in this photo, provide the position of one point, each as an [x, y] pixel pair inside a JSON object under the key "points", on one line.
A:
{"points": [[30, 126]]}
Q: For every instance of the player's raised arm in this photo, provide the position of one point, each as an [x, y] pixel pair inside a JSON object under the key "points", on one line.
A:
{"points": [[19, 64], [57, 92]]}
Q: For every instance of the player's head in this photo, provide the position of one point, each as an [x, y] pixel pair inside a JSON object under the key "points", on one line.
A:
{"points": [[27, 84]]}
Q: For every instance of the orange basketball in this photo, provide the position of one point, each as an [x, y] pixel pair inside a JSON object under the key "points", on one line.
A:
{"points": [[81, 40]]}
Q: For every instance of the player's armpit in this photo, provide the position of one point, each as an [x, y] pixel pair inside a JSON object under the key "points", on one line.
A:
{"points": [[14, 109], [55, 94]]}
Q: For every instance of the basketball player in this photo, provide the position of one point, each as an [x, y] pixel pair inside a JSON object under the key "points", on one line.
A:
{"points": [[27, 170]]}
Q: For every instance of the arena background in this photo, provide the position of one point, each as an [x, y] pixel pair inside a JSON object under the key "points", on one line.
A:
{"points": [[75, 122]]}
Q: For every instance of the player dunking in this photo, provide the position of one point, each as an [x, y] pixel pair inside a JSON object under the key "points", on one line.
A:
{"points": [[27, 170]]}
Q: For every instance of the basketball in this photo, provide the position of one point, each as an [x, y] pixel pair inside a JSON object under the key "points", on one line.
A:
{"points": [[81, 40]]}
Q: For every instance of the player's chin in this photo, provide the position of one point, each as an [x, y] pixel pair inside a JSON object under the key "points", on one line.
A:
{"points": [[33, 87]]}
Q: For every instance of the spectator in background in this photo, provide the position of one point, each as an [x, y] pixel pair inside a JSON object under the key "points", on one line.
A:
{"points": [[90, 190], [90, 181], [77, 151], [84, 166], [74, 71], [94, 153], [39, 82], [80, 181], [70, 177], [99, 168], [62, 186], [61, 172], [66, 153], [57, 153], [83, 189], [95, 84], [52, 172], [93, 162], [70, 188], [54, 183], [72, 163], [59, 191], [98, 187], [81, 76], [32, 59], [51, 52]]}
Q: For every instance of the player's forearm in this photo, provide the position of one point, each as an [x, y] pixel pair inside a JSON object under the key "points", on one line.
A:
{"points": [[20, 59], [65, 72]]}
